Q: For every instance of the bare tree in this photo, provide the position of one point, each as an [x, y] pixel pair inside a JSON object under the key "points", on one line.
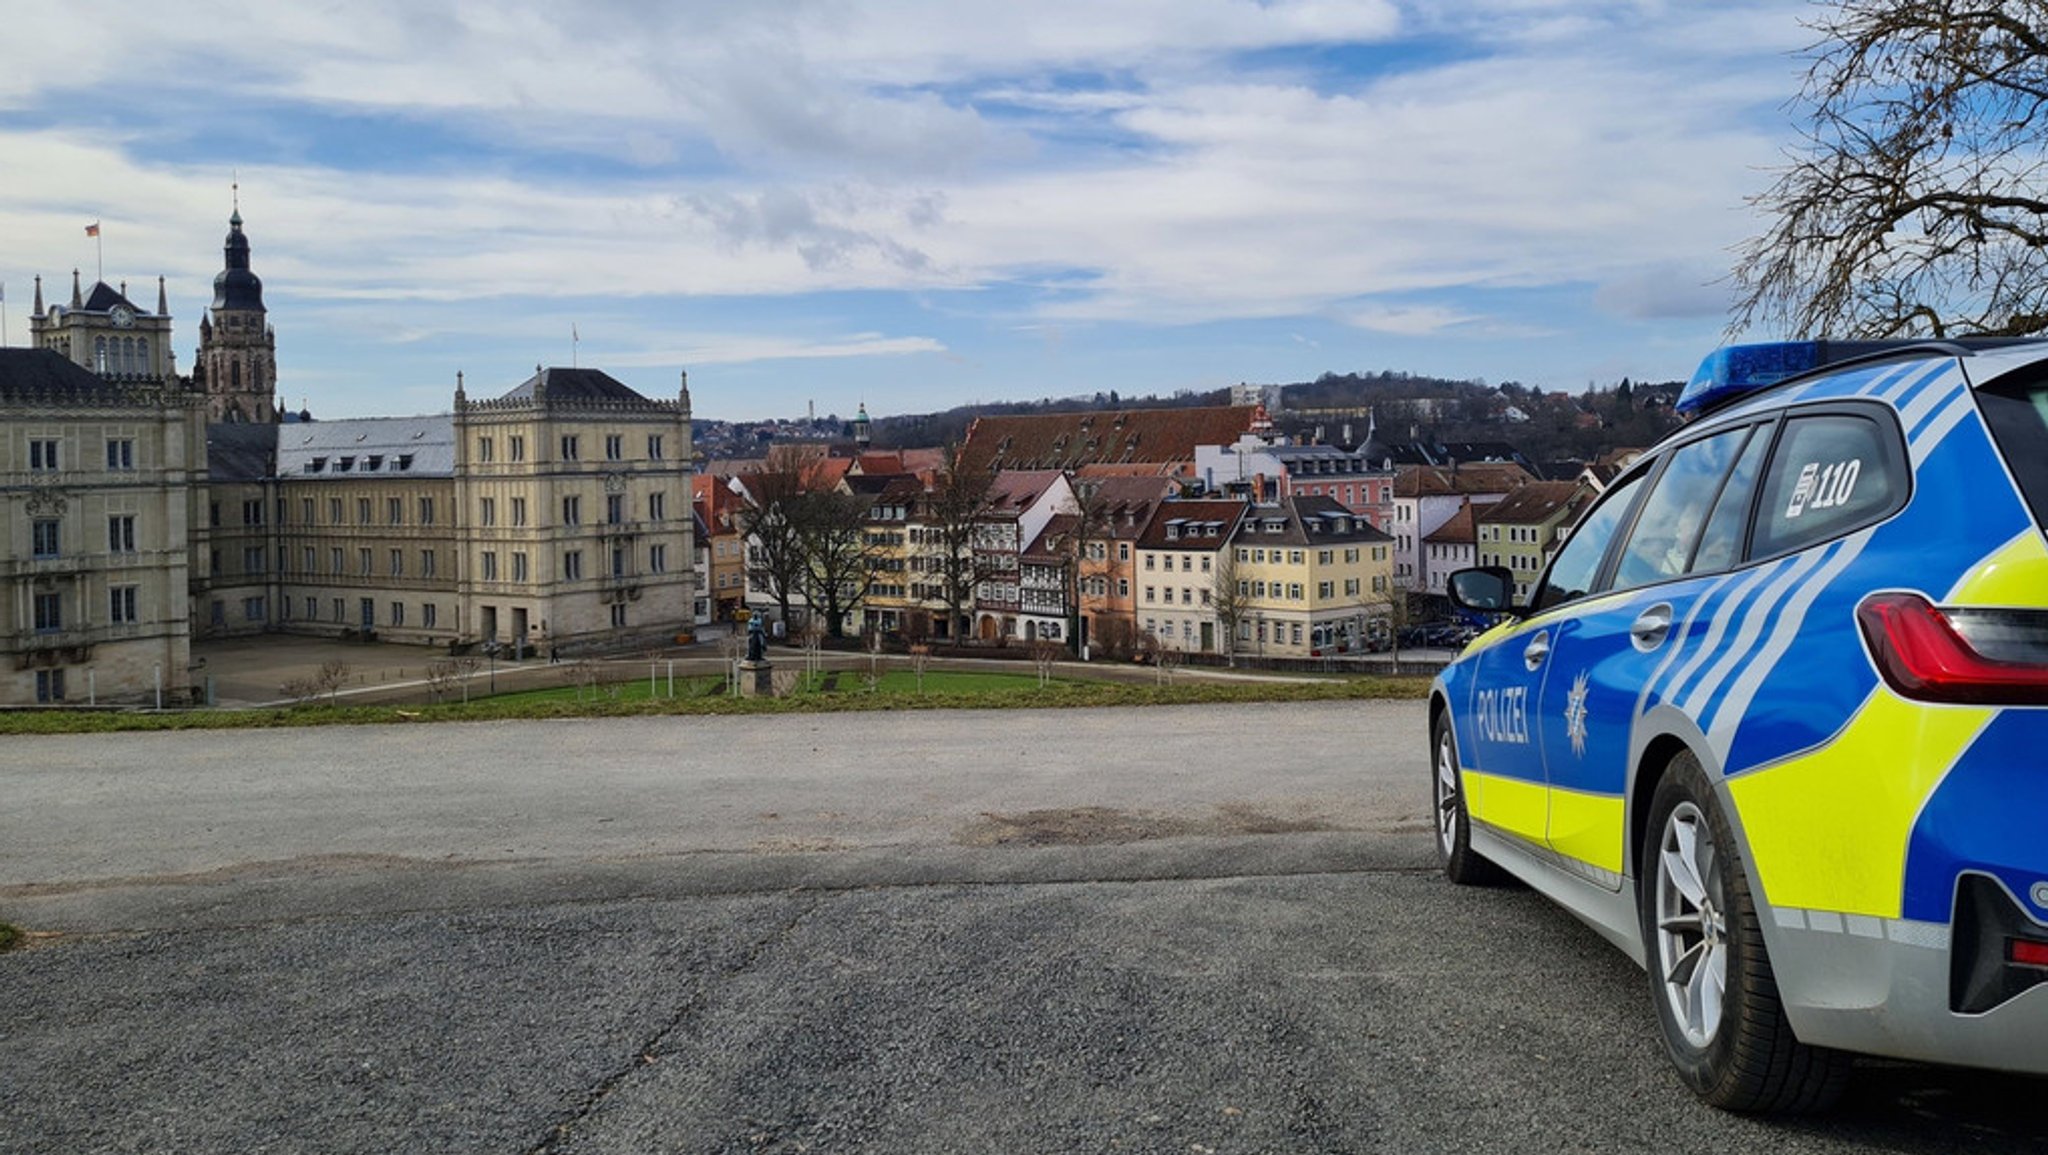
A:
{"points": [[961, 498], [1231, 600], [920, 661], [1915, 207], [831, 529], [771, 523]]}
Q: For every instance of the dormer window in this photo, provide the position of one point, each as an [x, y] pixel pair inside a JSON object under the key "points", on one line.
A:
{"points": [[405, 461], [316, 465], [376, 461], [344, 465]]}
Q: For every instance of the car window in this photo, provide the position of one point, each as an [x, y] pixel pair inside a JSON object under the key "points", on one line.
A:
{"points": [[1577, 565], [1660, 543], [2017, 412], [1830, 473], [1721, 545]]}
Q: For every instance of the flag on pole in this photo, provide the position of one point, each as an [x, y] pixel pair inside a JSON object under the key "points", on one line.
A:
{"points": [[93, 229]]}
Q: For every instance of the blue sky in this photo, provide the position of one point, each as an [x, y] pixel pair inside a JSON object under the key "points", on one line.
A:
{"points": [[910, 203]]}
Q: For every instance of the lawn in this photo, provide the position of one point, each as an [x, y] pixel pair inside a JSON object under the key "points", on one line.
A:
{"points": [[831, 691]]}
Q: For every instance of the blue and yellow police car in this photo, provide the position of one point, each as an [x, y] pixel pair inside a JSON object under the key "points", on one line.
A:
{"points": [[1774, 720]]}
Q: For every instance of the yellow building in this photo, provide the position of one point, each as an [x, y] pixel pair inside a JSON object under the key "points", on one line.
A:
{"points": [[1314, 578]]}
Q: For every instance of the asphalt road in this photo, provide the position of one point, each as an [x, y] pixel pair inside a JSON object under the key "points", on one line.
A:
{"points": [[1162, 930]]}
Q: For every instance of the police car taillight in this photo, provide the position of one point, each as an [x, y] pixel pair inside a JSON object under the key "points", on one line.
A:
{"points": [[1984, 657]]}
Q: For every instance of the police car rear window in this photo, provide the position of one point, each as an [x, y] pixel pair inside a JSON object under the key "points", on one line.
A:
{"points": [[1831, 474], [2017, 413]]}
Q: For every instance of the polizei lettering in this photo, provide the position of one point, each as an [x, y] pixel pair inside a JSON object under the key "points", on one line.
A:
{"points": [[1503, 715]]}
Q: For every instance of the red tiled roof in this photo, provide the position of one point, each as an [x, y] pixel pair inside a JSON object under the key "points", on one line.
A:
{"points": [[1463, 527]]}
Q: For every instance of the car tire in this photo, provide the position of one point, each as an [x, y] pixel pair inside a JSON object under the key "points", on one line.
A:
{"points": [[1461, 864], [1710, 975]]}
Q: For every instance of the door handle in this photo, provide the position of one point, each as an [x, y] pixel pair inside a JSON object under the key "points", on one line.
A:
{"points": [[1651, 627], [1537, 650]]}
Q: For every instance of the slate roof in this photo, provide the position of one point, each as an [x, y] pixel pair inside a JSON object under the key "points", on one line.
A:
{"points": [[1196, 524], [47, 376], [105, 297], [1127, 502], [558, 384], [1071, 440], [1308, 521], [368, 447], [241, 451]]}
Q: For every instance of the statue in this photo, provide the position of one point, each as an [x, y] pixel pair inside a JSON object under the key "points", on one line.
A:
{"points": [[757, 642]]}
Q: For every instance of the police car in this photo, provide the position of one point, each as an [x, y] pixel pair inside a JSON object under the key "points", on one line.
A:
{"points": [[1775, 719]]}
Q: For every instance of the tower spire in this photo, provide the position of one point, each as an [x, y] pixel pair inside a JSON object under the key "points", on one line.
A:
{"points": [[39, 295]]}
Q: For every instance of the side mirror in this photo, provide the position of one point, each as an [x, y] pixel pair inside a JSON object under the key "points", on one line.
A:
{"points": [[1488, 589]]}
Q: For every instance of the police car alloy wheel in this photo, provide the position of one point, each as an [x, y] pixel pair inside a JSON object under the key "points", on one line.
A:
{"points": [[1710, 977], [1461, 863]]}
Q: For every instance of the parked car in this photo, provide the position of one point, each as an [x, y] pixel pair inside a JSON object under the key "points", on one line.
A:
{"points": [[1773, 720]]}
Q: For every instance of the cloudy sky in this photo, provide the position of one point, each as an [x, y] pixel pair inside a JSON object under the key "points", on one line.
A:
{"points": [[911, 203]]}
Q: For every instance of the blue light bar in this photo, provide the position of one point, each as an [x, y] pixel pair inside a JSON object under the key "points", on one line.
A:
{"points": [[1733, 370]]}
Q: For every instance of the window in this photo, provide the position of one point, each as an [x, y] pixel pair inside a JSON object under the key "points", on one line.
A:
{"points": [[618, 561], [340, 610], [654, 447], [306, 510], [1577, 565], [1149, 560], [397, 563], [121, 605], [49, 613], [614, 508], [487, 511], [490, 560], [42, 454], [252, 512], [428, 618], [44, 534], [572, 510], [213, 514], [657, 506], [1660, 544], [397, 613], [426, 511], [1326, 590], [1123, 551], [619, 616], [312, 609], [1721, 542], [614, 447], [334, 560], [363, 563], [49, 685], [311, 557], [518, 511], [484, 450], [572, 565], [569, 447], [1149, 590], [253, 560], [120, 453], [252, 610], [394, 510], [334, 511], [1831, 473], [426, 563], [362, 511], [657, 559], [517, 444], [519, 573]]}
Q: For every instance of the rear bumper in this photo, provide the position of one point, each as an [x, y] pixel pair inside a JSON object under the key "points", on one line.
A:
{"points": [[1886, 987]]}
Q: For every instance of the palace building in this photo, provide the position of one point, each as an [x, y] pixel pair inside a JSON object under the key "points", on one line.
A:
{"points": [[144, 509]]}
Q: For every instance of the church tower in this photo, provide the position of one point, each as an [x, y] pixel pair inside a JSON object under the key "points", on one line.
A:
{"points": [[237, 359]]}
